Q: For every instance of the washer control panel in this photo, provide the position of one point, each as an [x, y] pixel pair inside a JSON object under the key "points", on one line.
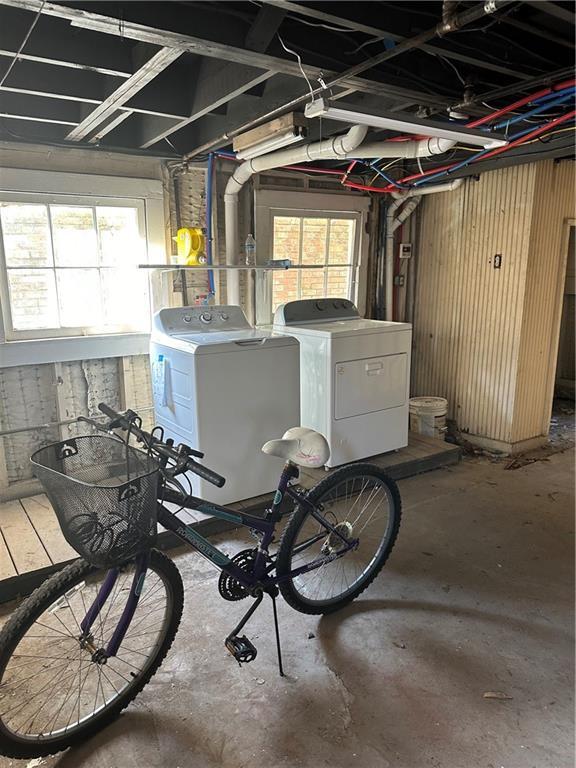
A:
{"points": [[314, 311], [179, 320]]}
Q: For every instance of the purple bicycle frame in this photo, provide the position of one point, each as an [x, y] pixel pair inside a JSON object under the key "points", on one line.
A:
{"points": [[260, 577]]}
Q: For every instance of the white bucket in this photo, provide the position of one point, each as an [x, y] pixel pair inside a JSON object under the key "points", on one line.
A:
{"points": [[428, 416]]}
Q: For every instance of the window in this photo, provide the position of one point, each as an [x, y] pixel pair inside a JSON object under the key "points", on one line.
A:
{"points": [[319, 243], [70, 266], [324, 236]]}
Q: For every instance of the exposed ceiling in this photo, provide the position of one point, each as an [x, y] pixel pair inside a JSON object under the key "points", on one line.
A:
{"points": [[182, 77]]}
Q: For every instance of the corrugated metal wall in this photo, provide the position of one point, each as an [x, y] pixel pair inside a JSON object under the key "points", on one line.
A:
{"points": [[471, 317]]}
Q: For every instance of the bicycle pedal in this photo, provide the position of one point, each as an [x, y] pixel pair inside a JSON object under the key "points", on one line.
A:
{"points": [[241, 648]]}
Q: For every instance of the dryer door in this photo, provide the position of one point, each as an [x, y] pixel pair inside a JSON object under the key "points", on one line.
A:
{"points": [[369, 385]]}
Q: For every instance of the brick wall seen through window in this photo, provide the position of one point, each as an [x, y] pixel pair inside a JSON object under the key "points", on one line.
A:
{"points": [[326, 242]]}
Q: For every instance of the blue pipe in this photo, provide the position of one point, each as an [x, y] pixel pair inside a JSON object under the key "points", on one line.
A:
{"points": [[540, 108], [468, 160], [209, 176]]}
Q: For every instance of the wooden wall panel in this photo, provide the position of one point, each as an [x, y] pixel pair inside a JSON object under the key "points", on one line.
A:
{"points": [[468, 313]]}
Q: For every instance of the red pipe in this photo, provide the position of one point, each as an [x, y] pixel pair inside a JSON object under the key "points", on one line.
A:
{"points": [[390, 188], [533, 134], [520, 103]]}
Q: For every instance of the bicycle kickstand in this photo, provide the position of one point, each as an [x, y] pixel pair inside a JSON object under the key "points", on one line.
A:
{"points": [[274, 595]]}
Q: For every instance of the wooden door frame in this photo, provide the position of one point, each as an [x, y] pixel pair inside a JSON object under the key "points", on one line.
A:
{"points": [[555, 340]]}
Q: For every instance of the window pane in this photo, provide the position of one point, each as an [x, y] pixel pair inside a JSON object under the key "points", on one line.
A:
{"points": [[340, 250], [338, 283], [312, 284], [314, 242], [120, 241], [125, 298], [32, 298], [26, 235], [286, 238], [74, 236], [79, 297], [284, 287]]}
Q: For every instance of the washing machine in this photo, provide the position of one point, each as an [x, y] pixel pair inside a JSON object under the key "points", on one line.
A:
{"points": [[354, 376], [224, 388]]}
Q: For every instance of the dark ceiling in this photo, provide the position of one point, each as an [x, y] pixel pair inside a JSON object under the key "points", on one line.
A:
{"points": [[182, 77]]}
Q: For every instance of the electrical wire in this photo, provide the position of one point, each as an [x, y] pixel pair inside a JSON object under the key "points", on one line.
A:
{"points": [[23, 43], [304, 75], [319, 24]]}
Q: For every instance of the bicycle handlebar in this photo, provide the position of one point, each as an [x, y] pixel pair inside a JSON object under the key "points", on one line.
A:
{"points": [[126, 421]]}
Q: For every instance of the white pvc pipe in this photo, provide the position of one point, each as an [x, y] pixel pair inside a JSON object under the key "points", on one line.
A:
{"points": [[346, 146], [417, 191], [393, 222]]}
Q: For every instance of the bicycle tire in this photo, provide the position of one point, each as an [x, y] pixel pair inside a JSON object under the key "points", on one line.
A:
{"points": [[297, 519], [58, 585]]}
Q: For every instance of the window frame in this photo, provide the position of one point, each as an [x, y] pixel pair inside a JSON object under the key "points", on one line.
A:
{"points": [[305, 204], [43, 187], [34, 334]]}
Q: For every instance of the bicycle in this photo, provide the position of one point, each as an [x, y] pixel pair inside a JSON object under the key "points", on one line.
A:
{"points": [[78, 650]]}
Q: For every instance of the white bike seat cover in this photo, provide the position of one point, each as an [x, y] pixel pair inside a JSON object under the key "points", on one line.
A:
{"points": [[301, 446]]}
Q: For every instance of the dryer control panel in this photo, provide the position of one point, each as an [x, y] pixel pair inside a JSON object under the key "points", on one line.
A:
{"points": [[178, 320], [315, 311]]}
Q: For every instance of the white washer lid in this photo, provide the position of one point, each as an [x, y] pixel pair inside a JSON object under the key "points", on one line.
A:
{"points": [[341, 328], [229, 341]]}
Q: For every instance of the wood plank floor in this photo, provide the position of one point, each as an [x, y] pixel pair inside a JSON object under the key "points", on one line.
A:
{"points": [[32, 545]]}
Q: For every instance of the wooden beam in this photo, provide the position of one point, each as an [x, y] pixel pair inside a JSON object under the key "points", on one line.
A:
{"points": [[212, 49], [552, 9], [125, 92], [208, 98], [45, 60], [538, 31]]}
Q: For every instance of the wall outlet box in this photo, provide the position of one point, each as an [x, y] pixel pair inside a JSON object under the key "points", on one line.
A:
{"points": [[405, 250]]}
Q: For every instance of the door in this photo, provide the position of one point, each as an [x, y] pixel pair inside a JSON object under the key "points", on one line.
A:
{"points": [[565, 368]]}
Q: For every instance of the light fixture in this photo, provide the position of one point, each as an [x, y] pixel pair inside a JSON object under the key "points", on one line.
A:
{"points": [[405, 123], [279, 140]]}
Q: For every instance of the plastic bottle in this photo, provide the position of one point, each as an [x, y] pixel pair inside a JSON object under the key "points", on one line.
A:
{"points": [[250, 251]]}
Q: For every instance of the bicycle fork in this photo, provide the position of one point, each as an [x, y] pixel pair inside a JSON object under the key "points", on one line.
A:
{"points": [[101, 655]]}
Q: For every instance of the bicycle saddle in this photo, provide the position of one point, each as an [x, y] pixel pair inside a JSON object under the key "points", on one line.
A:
{"points": [[300, 445]]}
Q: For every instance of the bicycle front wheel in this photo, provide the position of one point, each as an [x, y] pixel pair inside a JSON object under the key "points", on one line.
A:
{"points": [[53, 694], [362, 504]]}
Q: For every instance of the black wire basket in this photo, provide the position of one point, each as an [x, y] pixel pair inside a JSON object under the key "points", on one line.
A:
{"points": [[104, 493]]}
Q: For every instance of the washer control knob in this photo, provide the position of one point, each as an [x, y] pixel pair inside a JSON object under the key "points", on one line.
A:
{"points": [[205, 317], [320, 306], [224, 316], [187, 318]]}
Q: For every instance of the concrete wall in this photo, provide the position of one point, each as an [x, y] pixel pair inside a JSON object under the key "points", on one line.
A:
{"points": [[486, 337]]}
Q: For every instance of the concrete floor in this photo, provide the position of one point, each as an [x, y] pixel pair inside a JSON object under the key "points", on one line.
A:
{"points": [[477, 597]]}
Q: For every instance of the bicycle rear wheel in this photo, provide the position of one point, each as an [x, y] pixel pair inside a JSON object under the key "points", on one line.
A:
{"points": [[362, 503], [52, 693]]}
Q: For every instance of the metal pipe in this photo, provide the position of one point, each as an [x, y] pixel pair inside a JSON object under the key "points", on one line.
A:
{"points": [[52, 424], [209, 196], [456, 22]]}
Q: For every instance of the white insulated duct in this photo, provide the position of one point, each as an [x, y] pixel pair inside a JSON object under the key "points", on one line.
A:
{"points": [[347, 146]]}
